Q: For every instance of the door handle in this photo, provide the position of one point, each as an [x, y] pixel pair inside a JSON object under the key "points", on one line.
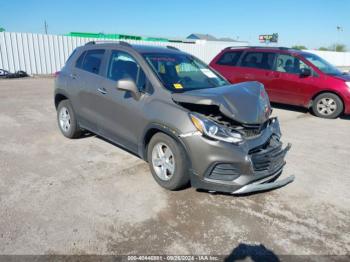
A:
{"points": [[102, 90], [73, 76]]}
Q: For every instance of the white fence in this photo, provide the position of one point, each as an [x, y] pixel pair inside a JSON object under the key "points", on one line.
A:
{"points": [[46, 54], [336, 58]]}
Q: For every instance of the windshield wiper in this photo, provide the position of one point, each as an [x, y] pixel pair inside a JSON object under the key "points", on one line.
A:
{"points": [[210, 81]]}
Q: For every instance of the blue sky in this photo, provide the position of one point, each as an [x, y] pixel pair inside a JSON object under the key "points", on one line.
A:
{"points": [[312, 22]]}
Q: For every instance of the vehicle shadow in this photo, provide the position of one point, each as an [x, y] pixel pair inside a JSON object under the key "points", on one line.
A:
{"points": [[345, 117], [302, 110], [291, 108], [245, 252], [86, 134]]}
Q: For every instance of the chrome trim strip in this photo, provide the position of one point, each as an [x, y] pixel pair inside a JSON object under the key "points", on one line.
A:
{"points": [[195, 133]]}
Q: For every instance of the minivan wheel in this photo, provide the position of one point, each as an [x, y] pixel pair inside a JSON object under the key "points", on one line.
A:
{"points": [[327, 105], [168, 162], [67, 121]]}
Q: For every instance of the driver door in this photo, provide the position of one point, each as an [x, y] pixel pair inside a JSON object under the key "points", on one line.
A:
{"points": [[120, 113], [287, 85]]}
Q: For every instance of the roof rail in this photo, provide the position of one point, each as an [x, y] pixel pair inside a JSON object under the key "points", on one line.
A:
{"points": [[108, 42], [238, 47], [260, 47], [172, 47]]}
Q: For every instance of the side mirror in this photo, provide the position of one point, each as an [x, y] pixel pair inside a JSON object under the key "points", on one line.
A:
{"points": [[305, 72], [129, 85]]}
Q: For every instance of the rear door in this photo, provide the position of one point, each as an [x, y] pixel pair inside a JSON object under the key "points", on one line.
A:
{"points": [[287, 84], [257, 66], [85, 80]]}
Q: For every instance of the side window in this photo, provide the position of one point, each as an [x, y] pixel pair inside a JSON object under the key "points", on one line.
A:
{"points": [[71, 55], [230, 58], [79, 62], [260, 60], [290, 64], [90, 61], [123, 66]]}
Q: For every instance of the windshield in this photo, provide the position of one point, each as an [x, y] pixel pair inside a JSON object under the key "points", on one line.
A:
{"points": [[322, 64], [181, 72]]}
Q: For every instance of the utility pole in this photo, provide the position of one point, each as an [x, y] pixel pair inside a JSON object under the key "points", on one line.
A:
{"points": [[339, 29], [45, 26]]}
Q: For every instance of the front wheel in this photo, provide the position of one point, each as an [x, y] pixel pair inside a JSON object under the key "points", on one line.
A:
{"points": [[168, 162], [327, 105]]}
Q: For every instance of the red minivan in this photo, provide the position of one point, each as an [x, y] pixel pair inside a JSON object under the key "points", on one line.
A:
{"points": [[290, 77]]}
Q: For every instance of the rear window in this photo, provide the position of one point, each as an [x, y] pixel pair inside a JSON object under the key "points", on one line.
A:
{"points": [[230, 58], [260, 60], [90, 61]]}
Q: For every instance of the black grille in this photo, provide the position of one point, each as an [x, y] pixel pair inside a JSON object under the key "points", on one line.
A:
{"points": [[253, 130], [226, 172], [268, 157]]}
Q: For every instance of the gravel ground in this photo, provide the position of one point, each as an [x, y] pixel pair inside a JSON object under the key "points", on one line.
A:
{"points": [[87, 196]]}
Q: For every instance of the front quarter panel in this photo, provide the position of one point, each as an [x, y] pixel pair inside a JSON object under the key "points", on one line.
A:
{"points": [[167, 116]]}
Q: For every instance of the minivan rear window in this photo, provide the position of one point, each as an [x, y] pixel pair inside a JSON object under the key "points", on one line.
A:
{"points": [[230, 58], [90, 61]]}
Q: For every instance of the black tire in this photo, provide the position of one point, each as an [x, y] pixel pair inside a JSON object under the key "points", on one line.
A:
{"points": [[317, 107], [73, 131], [180, 177]]}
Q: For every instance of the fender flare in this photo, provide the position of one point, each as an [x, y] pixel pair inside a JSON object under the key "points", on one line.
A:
{"points": [[154, 128], [60, 92]]}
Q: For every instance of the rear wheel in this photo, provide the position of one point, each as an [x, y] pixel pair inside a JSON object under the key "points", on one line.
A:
{"points": [[327, 105], [67, 121], [168, 163]]}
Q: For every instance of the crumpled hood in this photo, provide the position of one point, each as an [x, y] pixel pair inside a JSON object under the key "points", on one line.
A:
{"points": [[247, 102]]}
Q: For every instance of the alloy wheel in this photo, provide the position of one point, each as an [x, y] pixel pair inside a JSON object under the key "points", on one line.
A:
{"points": [[163, 161], [326, 106], [64, 119]]}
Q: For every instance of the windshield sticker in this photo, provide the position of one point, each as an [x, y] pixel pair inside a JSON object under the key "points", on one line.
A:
{"points": [[208, 73], [178, 86]]}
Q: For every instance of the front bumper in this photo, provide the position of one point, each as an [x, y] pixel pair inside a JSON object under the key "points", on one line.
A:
{"points": [[262, 185], [347, 104], [238, 169]]}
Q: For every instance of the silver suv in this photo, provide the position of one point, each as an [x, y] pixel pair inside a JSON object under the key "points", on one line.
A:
{"points": [[176, 113]]}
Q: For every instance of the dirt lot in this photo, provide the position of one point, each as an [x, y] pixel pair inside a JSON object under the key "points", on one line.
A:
{"points": [[88, 196]]}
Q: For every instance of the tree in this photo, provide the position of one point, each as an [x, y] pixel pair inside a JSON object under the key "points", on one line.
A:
{"points": [[339, 48], [323, 48], [2, 29], [299, 47]]}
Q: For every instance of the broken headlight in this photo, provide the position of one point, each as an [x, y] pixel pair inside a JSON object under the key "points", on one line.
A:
{"points": [[210, 129]]}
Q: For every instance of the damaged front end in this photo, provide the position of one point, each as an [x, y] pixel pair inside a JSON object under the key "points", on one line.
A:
{"points": [[248, 155], [229, 113]]}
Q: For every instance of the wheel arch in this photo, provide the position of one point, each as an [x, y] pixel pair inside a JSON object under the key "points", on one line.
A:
{"points": [[159, 128], [323, 92], [60, 95]]}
